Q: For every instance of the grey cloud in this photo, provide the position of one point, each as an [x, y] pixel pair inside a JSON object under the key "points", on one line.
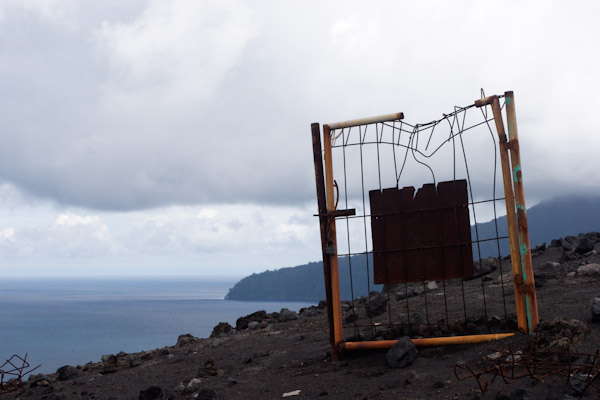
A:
{"points": [[96, 118]]}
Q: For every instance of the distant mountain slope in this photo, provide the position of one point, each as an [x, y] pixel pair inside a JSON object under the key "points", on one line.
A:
{"points": [[305, 282], [547, 220]]}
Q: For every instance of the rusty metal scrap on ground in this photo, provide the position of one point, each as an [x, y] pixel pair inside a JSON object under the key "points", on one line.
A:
{"points": [[12, 373], [580, 370]]}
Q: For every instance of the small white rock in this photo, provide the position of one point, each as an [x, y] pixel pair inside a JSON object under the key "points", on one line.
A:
{"points": [[193, 382], [290, 394]]}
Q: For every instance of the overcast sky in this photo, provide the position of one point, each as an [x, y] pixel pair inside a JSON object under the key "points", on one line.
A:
{"points": [[173, 137]]}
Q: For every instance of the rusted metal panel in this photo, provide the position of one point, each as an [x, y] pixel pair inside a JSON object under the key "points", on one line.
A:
{"points": [[426, 236]]}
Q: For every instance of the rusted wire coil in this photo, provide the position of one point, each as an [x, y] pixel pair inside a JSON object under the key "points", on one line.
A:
{"points": [[579, 368], [12, 373]]}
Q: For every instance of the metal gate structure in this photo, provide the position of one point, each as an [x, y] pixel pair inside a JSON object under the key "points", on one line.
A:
{"points": [[409, 196]]}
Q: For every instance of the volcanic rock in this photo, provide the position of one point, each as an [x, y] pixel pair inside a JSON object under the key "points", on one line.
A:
{"points": [[402, 354], [184, 340], [595, 308], [286, 315], [221, 329], [151, 393], [585, 245], [67, 372]]}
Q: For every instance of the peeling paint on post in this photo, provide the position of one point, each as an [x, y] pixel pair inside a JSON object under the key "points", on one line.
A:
{"points": [[524, 244], [517, 176]]}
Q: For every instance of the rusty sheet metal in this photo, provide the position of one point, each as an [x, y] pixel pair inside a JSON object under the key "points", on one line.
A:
{"points": [[426, 236]]}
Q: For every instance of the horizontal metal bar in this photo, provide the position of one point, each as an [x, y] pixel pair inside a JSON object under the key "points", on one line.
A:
{"points": [[365, 121], [426, 342]]}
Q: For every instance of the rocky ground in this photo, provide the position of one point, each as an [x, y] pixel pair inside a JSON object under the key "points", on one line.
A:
{"points": [[280, 355]]}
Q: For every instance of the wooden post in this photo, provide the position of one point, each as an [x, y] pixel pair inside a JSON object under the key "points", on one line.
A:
{"points": [[510, 214], [332, 239], [523, 237], [324, 224]]}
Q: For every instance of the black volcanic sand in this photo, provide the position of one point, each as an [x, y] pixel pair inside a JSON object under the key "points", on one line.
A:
{"points": [[277, 358]]}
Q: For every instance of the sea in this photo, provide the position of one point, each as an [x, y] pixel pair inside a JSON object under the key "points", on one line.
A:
{"points": [[72, 321]]}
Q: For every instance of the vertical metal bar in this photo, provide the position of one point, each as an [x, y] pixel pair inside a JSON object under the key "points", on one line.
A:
{"points": [[510, 216], [320, 180], [332, 240], [524, 245]]}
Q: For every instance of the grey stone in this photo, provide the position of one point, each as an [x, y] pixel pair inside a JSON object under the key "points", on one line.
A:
{"points": [[151, 393], [40, 380], [134, 361], [180, 387], [253, 325], [569, 256], [67, 372], [589, 270], [431, 285], [222, 328], [376, 305], [484, 266], [184, 340], [595, 308], [585, 245], [402, 354], [286, 315], [579, 382]]}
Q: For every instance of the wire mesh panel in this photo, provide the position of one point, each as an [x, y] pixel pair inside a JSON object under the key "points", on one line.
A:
{"points": [[424, 233]]}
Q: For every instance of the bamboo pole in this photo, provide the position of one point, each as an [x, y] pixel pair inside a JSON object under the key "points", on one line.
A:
{"points": [[510, 211], [524, 244], [332, 240], [323, 222], [426, 342]]}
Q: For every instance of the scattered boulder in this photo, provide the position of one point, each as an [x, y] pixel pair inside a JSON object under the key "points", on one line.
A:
{"points": [[67, 372], [151, 393], [242, 322], [431, 285], [568, 256], [109, 364], [222, 328], [484, 267], [595, 308], [539, 248], [209, 369], [253, 325], [39, 380], [376, 305], [549, 270], [402, 354], [559, 334], [589, 270], [286, 315], [193, 383], [184, 340], [134, 361], [556, 243], [585, 245]]}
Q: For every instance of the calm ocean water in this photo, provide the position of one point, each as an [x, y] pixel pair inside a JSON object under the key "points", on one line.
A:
{"points": [[74, 321]]}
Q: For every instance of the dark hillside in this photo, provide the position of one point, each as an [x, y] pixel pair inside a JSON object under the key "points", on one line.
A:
{"points": [[547, 220]]}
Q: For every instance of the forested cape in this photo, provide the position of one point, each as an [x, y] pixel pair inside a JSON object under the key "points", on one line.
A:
{"points": [[547, 220]]}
